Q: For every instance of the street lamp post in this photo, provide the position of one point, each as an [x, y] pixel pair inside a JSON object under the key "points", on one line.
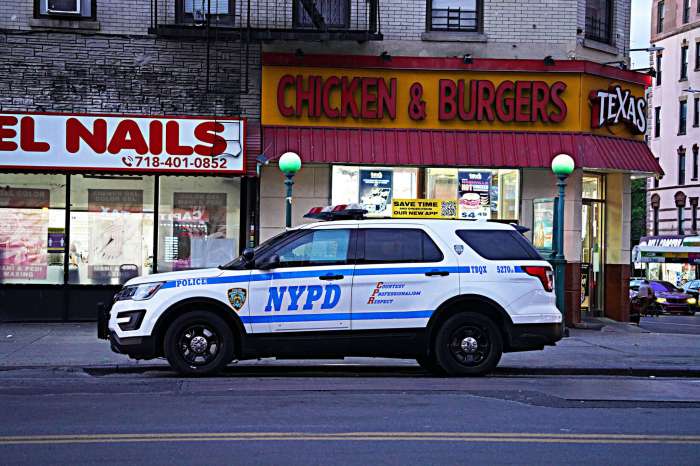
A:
{"points": [[562, 166], [290, 164]]}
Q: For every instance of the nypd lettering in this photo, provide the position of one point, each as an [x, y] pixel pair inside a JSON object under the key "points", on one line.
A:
{"points": [[611, 107], [190, 282], [302, 297]]}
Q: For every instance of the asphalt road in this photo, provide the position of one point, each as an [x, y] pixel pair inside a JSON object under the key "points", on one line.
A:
{"points": [[344, 415], [672, 324]]}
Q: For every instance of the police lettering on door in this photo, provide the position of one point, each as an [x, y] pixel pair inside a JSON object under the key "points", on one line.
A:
{"points": [[305, 296]]}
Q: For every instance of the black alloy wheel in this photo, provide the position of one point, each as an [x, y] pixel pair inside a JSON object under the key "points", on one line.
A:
{"points": [[468, 344], [198, 343]]}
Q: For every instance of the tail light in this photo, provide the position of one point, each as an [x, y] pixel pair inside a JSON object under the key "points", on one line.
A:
{"points": [[543, 273]]}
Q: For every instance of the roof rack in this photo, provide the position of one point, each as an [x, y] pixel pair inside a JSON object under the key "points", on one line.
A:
{"points": [[337, 212]]}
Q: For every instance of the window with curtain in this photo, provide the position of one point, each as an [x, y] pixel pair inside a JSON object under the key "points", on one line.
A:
{"points": [[454, 15], [599, 20]]}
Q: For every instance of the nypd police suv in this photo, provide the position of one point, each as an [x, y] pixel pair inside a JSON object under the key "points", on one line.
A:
{"points": [[452, 294]]}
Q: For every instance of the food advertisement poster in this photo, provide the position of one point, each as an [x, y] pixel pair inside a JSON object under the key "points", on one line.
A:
{"points": [[543, 224], [376, 191], [474, 191], [116, 231], [199, 231], [24, 223]]}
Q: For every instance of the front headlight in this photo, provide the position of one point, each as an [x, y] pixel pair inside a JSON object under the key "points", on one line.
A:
{"points": [[660, 300], [692, 301], [138, 292]]}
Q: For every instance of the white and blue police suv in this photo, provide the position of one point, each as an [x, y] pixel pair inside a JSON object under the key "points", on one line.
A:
{"points": [[452, 294]]}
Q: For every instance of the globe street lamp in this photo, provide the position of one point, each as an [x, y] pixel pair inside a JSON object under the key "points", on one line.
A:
{"points": [[562, 166], [290, 164]]}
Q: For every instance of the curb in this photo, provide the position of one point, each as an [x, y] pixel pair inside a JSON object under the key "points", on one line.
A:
{"points": [[376, 371]]}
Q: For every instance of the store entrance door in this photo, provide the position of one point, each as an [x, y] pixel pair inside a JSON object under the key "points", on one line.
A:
{"points": [[592, 281]]}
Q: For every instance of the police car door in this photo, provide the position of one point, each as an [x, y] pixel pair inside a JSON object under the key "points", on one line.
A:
{"points": [[305, 283], [402, 275]]}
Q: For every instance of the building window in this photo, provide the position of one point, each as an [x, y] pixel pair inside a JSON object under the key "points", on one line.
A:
{"points": [[599, 20], [373, 187], [697, 53], [660, 11], [199, 222], [655, 221], [682, 116], [454, 15], [695, 162], [694, 214], [696, 112], [32, 228], [684, 63], [657, 122], [481, 194], [686, 11], [196, 11], [658, 69], [111, 228], [65, 9], [336, 14], [656, 178], [681, 165], [680, 220]]}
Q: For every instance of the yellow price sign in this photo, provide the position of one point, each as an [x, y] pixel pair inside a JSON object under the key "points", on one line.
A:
{"points": [[424, 208]]}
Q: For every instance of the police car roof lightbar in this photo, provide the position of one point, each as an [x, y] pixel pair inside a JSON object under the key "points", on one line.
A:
{"points": [[337, 212]]}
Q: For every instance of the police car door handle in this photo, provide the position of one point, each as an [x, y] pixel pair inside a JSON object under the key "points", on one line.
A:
{"points": [[331, 277], [441, 273]]}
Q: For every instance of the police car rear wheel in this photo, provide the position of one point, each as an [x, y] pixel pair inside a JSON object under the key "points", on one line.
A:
{"points": [[468, 344], [198, 343]]}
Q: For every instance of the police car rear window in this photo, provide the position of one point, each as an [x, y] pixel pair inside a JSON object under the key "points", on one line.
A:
{"points": [[385, 245], [499, 244]]}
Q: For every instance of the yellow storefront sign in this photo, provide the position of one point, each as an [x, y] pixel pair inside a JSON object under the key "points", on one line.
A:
{"points": [[424, 208]]}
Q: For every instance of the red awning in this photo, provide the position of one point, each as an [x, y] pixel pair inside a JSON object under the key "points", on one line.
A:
{"points": [[494, 149]]}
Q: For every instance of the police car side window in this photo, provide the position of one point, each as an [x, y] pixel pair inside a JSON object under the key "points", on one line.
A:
{"points": [[391, 245], [499, 244], [315, 247]]}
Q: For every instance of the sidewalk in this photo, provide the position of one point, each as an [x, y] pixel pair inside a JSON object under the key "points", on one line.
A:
{"points": [[616, 349]]}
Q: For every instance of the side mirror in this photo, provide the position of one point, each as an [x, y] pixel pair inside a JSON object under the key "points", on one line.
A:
{"points": [[270, 263], [248, 254]]}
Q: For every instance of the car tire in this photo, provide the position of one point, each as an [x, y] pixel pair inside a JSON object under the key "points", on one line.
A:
{"points": [[430, 365], [199, 343], [468, 344]]}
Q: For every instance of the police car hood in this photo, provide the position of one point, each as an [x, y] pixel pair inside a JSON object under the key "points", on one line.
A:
{"points": [[172, 276]]}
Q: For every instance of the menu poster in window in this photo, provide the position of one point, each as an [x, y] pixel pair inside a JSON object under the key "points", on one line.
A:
{"points": [[24, 224], [199, 228], [543, 224], [116, 232], [376, 188], [57, 240], [474, 191]]}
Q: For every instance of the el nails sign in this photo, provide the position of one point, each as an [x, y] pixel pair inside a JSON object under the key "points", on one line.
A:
{"points": [[615, 106], [122, 143]]}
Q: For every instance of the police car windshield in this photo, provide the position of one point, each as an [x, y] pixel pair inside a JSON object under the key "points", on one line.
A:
{"points": [[239, 262]]}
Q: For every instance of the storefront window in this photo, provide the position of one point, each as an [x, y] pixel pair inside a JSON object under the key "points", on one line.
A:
{"points": [[199, 222], [32, 228], [482, 194], [373, 187], [111, 228]]}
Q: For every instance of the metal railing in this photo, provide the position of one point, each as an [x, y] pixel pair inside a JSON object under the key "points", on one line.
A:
{"points": [[598, 29], [270, 19]]}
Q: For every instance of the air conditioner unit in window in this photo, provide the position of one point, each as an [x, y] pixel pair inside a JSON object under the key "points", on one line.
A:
{"points": [[62, 7]]}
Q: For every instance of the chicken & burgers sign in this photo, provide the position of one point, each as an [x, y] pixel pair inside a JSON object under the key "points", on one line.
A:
{"points": [[122, 143]]}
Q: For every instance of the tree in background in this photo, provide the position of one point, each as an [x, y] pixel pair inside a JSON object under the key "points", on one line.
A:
{"points": [[638, 227]]}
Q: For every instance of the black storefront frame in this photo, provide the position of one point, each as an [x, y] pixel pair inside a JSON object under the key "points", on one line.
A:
{"points": [[85, 298]]}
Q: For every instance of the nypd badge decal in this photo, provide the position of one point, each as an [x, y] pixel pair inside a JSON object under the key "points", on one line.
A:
{"points": [[236, 297]]}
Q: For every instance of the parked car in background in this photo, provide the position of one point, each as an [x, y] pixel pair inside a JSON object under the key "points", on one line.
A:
{"points": [[669, 299], [692, 288]]}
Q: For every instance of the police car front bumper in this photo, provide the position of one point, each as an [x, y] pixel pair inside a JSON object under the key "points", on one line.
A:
{"points": [[134, 347], [526, 337]]}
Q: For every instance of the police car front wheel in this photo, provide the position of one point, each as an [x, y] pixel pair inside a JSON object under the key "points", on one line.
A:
{"points": [[198, 343], [468, 344]]}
